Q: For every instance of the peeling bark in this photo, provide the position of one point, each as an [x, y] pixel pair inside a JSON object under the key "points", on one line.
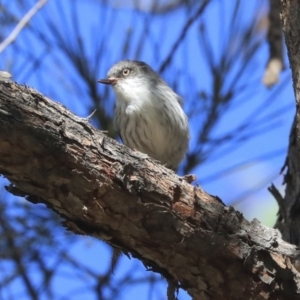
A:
{"points": [[127, 199]]}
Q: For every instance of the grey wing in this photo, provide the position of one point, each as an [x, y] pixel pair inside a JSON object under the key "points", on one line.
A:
{"points": [[117, 125]]}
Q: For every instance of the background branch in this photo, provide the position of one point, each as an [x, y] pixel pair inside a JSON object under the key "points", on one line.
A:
{"points": [[22, 23], [275, 63]]}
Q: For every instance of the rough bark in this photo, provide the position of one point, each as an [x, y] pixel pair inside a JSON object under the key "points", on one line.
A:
{"points": [[289, 206], [127, 199]]}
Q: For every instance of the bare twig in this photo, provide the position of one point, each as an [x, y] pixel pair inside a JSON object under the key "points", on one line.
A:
{"points": [[10, 39], [278, 197], [188, 24]]}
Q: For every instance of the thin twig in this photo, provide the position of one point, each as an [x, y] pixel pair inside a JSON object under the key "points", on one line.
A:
{"points": [[280, 200], [10, 39], [188, 24]]}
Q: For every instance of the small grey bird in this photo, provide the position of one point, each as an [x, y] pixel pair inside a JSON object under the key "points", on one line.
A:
{"points": [[148, 113]]}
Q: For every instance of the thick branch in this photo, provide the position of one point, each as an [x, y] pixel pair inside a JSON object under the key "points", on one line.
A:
{"points": [[121, 196], [289, 213]]}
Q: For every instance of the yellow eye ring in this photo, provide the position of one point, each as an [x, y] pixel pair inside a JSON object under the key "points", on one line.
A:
{"points": [[126, 72]]}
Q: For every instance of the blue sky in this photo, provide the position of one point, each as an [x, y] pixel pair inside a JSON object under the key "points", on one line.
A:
{"points": [[248, 163]]}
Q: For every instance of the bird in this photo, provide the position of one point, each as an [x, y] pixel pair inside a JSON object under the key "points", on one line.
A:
{"points": [[148, 113]]}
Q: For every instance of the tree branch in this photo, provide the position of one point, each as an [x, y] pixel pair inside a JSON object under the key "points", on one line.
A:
{"points": [[275, 63], [127, 199], [23, 22], [289, 211], [184, 31]]}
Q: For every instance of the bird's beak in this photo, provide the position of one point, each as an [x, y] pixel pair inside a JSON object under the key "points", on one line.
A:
{"points": [[110, 80]]}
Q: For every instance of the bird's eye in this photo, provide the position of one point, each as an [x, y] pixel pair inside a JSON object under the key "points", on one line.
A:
{"points": [[126, 72]]}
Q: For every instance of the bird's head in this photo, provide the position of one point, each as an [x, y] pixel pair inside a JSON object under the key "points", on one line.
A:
{"points": [[131, 79]]}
